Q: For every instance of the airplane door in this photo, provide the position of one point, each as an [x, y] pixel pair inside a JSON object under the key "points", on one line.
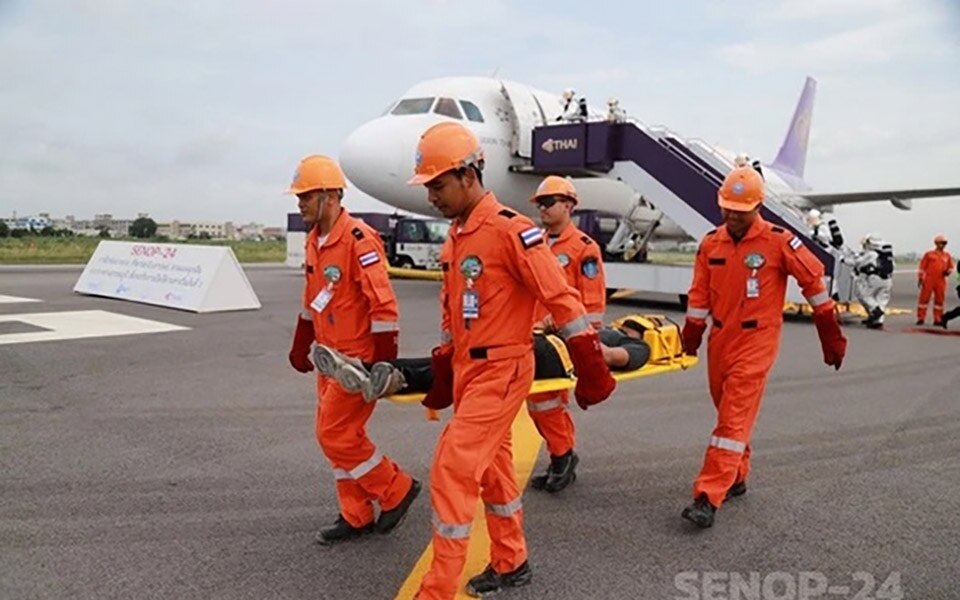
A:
{"points": [[526, 115]]}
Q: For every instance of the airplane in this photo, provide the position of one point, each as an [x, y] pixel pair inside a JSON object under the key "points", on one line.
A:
{"points": [[378, 157]]}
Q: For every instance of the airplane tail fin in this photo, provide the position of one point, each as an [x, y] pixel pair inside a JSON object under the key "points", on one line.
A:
{"points": [[792, 157]]}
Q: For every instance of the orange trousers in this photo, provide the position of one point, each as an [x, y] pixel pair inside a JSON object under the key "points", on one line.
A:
{"points": [[738, 363], [363, 474], [474, 459], [552, 419], [936, 287]]}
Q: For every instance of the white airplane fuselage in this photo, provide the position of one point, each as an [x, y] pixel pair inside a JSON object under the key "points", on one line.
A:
{"points": [[378, 157]]}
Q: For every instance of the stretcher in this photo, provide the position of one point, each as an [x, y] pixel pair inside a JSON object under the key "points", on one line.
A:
{"points": [[681, 363]]}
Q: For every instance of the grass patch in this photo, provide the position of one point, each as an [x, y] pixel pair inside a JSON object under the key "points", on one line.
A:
{"points": [[78, 250]]}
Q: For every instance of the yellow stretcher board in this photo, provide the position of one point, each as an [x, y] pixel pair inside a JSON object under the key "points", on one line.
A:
{"points": [[552, 385]]}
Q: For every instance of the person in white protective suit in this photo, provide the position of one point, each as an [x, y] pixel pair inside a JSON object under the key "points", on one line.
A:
{"points": [[574, 109], [819, 229], [615, 114], [874, 269]]}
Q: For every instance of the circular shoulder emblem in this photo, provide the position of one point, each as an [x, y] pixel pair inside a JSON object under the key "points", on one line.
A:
{"points": [[590, 268]]}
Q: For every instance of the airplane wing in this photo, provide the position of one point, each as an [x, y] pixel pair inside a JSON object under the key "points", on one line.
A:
{"points": [[899, 198]]}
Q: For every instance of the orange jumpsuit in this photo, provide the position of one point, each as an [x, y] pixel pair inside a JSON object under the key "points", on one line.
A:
{"points": [[496, 267], [348, 296], [935, 266], [742, 285], [582, 263]]}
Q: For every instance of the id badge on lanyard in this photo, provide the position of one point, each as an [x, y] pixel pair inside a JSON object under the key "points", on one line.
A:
{"points": [[323, 298], [471, 304], [753, 285]]}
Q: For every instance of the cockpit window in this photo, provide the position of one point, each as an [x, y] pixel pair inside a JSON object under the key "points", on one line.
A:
{"points": [[412, 106], [473, 113], [447, 107]]}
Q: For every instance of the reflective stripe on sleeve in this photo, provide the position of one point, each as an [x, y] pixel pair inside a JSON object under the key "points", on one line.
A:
{"points": [[305, 315], [445, 337], [574, 327], [818, 299], [595, 317], [697, 313], [341, 474], [381, 326], [727, 444]]}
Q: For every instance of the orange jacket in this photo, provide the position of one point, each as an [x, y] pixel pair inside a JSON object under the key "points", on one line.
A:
{"points": [[935, 264], [496, 267], [743, 284], [581, 261], [348, 274]]}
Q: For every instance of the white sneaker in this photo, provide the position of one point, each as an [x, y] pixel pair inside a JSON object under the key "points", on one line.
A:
{"points": [[384, 380], [347, 371]]}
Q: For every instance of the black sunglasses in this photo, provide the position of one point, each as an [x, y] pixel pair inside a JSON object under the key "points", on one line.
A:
{"points": [[547, 202]]}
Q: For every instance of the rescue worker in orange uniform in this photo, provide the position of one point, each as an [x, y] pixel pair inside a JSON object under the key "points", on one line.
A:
{"points": [[932, 273], [496, 267], [348, 304], [740, 280], [579, 257]]}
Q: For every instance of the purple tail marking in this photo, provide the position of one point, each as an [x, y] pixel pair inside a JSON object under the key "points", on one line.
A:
{"points": [[792, 157]]}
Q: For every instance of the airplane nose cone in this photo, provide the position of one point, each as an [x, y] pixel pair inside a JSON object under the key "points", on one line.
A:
{"points": [[378, 158]]}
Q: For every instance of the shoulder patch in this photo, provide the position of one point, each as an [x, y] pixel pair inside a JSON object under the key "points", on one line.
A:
{"points": [[590, 268], [357, 233], [795, 242], [369, 258], [531, 237], [507, 213], [776, 229]]}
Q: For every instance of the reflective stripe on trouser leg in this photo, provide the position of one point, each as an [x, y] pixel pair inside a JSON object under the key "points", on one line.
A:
{"points": [[362, 473], [553, 422], [740, 393], [472, 448], [504, 512]]}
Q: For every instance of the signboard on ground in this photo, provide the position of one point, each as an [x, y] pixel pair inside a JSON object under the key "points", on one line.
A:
{"points": [[185, 276]]}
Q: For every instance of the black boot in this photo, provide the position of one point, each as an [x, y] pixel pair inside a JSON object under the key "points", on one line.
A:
{"points": [[700, 513], [341, 531], [391, 519], [561, 473], [737, 489], [490, 581]]}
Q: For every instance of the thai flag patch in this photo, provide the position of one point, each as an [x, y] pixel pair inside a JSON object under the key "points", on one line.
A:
{"points": [[531, 237], [795, 243], [370, 258]]}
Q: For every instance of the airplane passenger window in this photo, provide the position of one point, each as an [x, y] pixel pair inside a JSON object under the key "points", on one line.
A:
{"points": [[473, 113], [413, 106], [447, 107]]}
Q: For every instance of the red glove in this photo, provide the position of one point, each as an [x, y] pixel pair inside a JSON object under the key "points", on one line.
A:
{"points": [[385, 345], [300, 351], [693, 336], [831, 338], [440, 395], [594, 382]]}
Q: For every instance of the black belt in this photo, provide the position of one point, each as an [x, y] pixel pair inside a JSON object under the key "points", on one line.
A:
{"points": [[751, 324], [479, 353]]}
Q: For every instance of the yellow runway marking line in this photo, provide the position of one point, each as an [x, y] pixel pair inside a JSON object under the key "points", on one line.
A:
{"points": [[526, 445]]}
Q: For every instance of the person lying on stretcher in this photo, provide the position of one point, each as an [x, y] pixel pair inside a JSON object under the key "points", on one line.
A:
{"points": [[623, 350]]}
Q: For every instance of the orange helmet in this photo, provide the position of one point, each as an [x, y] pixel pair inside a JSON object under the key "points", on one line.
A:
{"points": [[317, 172], [742, 190], [556, 186], [444, 147], [940, 239]]}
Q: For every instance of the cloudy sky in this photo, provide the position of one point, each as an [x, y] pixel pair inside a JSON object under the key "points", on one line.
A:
{"points": [[200, 110]]}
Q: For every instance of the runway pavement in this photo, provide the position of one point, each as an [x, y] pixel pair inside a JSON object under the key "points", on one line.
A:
{"points": [[183, 464]]}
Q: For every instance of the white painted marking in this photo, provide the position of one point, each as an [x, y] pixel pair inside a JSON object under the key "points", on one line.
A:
{"points": [[78, 324], [16, 299]]}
